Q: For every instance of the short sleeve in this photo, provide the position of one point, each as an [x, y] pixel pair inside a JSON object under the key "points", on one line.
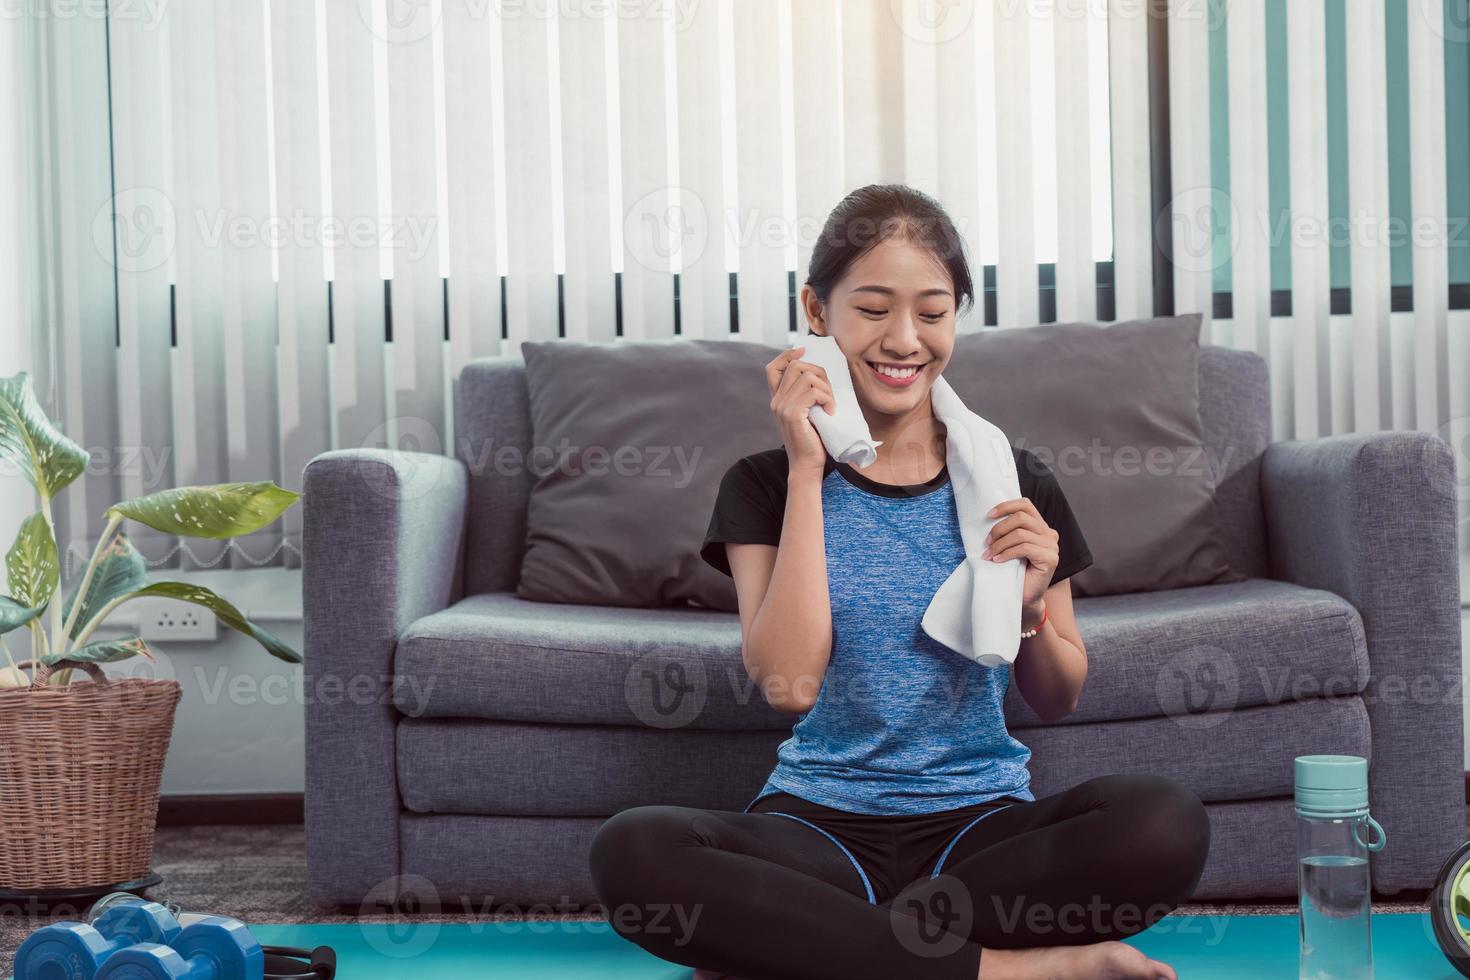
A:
{"points": [[745, 512], [1073, 552]]}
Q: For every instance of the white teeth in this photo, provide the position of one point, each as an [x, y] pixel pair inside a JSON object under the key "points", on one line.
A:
{"points": [[900, 373]]}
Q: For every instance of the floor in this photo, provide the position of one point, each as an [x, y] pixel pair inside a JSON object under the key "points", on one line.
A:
{"points": [[258, 875]]}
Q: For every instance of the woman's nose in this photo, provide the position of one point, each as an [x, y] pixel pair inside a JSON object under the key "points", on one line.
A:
{"points": [[902, 339]]}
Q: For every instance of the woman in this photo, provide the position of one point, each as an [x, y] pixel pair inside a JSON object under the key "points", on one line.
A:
{"points": [[897, 835]]}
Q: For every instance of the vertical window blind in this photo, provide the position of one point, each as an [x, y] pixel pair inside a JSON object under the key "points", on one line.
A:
{"points": [[278, 227]]}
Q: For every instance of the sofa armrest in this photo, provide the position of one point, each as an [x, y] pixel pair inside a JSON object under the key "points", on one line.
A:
{"points": [[1372, 517], [383, 544]]}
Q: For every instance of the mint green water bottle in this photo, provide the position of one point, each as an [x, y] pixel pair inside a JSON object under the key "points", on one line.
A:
{"points": [[1335, 836]]}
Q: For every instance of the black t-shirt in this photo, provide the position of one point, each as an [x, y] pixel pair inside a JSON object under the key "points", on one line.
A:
{"points": [[751, 504]]}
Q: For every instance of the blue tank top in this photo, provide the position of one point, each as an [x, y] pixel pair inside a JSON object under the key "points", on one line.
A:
{"points": [[901, 723]]}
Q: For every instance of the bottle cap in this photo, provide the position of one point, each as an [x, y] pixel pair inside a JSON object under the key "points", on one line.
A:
{"points": [[1332, 785]]}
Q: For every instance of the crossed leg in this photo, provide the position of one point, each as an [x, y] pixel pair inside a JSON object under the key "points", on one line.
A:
{"points": [[753, 895], [1100, 861]]}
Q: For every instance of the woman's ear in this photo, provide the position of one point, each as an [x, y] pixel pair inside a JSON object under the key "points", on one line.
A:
{"points": [[816, 315]]}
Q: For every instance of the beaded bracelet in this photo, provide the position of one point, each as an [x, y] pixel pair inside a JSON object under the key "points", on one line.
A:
{"points": [[1028, 634]]}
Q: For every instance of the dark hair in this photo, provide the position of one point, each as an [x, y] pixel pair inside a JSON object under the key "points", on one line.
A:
{"points": [[876, 212]]}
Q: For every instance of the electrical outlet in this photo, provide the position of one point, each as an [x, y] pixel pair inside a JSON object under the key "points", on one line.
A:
{"points": [[166, 619]]}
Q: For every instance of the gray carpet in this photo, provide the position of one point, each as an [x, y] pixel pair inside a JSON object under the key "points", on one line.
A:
{"points": [[258, 874]]}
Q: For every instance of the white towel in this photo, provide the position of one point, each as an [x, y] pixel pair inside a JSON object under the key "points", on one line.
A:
{"points": [[977, 611], [846, 433]]}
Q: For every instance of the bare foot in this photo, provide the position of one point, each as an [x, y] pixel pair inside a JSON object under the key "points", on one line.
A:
{"points": [[1097, 961]]}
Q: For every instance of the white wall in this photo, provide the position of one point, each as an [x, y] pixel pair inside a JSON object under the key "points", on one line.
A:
{"points": [[239, 727]]}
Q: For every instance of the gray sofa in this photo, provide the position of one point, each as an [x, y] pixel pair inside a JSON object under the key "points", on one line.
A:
{"points": [[467, 743]]}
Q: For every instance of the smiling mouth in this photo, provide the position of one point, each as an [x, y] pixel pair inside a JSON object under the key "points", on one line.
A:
{"points": [[895, 374]]}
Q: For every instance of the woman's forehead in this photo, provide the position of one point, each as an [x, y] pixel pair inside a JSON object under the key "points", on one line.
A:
{"points": [[900, 266]]}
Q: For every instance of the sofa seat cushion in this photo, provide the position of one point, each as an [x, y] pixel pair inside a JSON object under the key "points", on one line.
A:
{"points": [[1175, 653], [1211, 648], [505, 658], [519, 769]]}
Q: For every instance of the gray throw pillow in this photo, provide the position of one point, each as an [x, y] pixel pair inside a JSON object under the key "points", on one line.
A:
{"points": [[1113, 411], [631, 441]]}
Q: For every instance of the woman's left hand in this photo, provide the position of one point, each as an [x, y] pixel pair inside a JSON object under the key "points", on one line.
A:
{"points": [[1020, 532]]}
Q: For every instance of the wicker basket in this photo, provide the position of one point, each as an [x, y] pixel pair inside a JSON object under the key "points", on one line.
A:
{"points": [[80, 766]]}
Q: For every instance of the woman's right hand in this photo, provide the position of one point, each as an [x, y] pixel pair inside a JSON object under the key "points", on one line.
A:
{"points": [[796, 386]]}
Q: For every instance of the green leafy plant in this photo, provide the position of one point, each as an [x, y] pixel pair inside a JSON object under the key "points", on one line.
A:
{"points": [[62, 627]]}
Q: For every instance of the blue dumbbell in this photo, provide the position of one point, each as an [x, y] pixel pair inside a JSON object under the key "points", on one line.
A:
{"points": [[214, 948], [76, 951]]}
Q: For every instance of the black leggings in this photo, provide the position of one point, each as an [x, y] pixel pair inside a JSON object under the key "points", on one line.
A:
{"points": [[796, 891]]}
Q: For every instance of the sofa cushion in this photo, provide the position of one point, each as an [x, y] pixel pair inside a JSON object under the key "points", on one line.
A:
{"points": [[639, 433], [1207, 648], [1211, 648], [1113, 411], [500, 656], [486, 767]]}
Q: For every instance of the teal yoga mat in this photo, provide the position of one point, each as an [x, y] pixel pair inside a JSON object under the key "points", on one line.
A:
{"points": [[1199, 947]]}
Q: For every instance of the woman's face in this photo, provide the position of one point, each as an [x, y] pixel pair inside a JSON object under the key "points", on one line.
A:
{"points": [[893, 315]]}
